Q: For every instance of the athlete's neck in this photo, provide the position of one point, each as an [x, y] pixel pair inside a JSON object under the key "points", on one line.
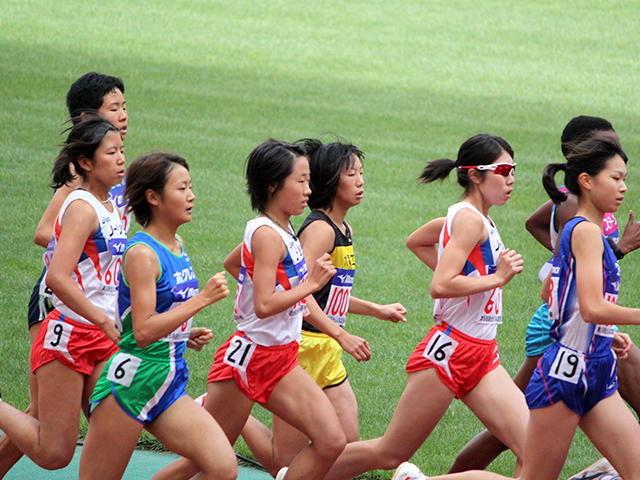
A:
{"points": [[164, 234], [590, 212], [336, 213]]}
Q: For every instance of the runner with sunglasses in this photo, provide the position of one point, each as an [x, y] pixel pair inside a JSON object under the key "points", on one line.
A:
{"points": [[458, 358]]}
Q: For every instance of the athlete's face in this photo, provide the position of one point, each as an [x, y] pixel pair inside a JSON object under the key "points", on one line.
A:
{"points": [[107, 166], [609, 185], [496, 188], [351, 186], [176, 201], [114, 109], [292, 198]]}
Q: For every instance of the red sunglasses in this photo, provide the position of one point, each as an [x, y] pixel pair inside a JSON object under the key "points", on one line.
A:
{"points": [[504, 169]]}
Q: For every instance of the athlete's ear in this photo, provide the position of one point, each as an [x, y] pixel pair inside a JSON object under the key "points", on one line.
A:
{"points": [[153, 198], [85, 163], [475, 176], [585, 181]]}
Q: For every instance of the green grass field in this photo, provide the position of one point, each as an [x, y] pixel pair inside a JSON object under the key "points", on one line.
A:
{"points": [[407, 81]]}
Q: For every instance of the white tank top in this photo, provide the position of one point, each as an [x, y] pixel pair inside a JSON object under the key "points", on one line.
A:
{"points": [[98, 270], [476, 315], [283, 327]]}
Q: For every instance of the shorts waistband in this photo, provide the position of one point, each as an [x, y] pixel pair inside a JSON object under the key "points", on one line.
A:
{"points": [[447, 328], [270, 347], [56, 316]]}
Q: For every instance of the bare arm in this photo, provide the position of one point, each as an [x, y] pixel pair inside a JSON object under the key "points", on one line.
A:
{"points": [[78, 224], [268, 250], [44, 230], [142, 269], [538, 224], [423, 242], [233, 262], [467, 230], [587, 248]]}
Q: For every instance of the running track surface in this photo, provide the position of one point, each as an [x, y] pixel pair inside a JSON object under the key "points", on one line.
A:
{"points": [[143, 464]]}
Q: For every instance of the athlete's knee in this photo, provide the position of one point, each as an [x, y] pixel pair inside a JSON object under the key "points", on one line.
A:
{"points": [[220, 470], [55, 457], [330, 444]]}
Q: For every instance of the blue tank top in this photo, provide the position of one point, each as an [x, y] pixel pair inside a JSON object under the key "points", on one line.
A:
{"points": [[569, 328], [177, 283]]}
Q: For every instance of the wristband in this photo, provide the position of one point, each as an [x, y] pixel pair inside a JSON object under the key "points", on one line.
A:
{"points": [[616, 250]]}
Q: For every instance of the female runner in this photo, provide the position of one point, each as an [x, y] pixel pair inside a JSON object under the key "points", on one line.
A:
{"points": [[80, 334], [91, 93], [458, 358], [143, 385], [258, 363], [337, 184], [574, 383]]}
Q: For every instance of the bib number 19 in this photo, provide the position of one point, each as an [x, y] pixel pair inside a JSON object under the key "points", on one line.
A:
{"points": [[567, 366]]}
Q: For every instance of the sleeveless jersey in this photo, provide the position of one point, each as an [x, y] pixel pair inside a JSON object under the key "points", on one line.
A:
{"points": [[177, 283], [334, 297], [476, 315], [568, 327], [283, 327], [116, 194], [98, 269]]}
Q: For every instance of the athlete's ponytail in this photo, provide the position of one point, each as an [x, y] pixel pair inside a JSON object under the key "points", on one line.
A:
{"points": [[83, 140], [549, 181], [587, 156], [481, 149]]}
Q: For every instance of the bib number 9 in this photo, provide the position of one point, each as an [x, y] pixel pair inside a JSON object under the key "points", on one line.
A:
{"points": [[567, 366], [123, 368], [57, 337]]}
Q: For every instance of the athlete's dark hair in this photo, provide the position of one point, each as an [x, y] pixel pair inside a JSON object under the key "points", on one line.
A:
{"points": [[326, 161], [481, 149], [580, 128], [149, 172], [588, 156], [87, 93], [268, 165], [84, 138]]}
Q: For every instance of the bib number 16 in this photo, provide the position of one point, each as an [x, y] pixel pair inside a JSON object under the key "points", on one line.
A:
{"points": [[440, 348]]}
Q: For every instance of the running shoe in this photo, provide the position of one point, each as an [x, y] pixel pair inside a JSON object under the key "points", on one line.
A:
{"points": [[408, 471], [281, 473]]}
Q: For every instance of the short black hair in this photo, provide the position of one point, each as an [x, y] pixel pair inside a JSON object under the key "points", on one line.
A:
{"points": [[580, 128], [326, 161], [87, 93], [268, 165], [149, 172]]}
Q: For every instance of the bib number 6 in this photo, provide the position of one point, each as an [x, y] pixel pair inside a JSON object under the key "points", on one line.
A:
{"points": [[123, 368]]}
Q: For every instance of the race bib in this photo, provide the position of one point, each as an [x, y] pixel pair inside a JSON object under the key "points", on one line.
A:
{"points": [[567, 366], [123, 368], [238, 355], [439, 350], [180, 334], [57, 337]]}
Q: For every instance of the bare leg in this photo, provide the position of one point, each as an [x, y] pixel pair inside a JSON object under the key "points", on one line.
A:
{"points": [[298, 400], [51, 441], [485, 447], [423, 403], [230, 408], [501, 407], [613, 430], [190, 431], [109, 425], [629, 379], [259, 439], [9, 453]]}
